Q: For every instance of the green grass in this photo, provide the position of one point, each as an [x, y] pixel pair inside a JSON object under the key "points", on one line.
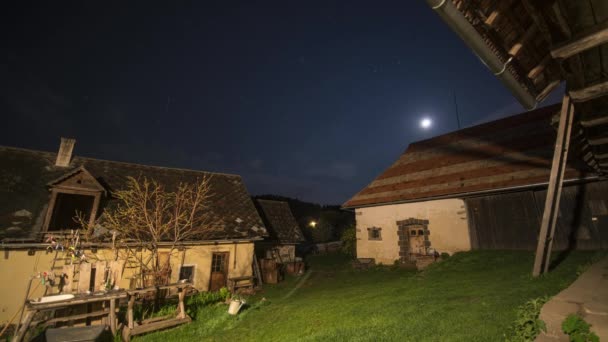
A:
{"points": [[471, 296]]}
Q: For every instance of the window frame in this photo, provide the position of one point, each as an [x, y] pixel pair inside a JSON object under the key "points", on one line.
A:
{"points": [[193, 276], [374, 234]]}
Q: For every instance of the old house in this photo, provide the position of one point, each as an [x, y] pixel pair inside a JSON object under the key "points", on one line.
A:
{"points": [[481, 187], [283, 231], [40, 192]]}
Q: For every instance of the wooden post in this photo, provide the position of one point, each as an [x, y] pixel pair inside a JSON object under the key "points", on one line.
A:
{"points": [[100, 272], [112, 316], [182, 309], [130, 310], [558, 167], [84, 277], [25, 325]]}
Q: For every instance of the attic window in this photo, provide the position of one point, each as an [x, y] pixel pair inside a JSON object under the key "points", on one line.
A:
{"points": [[66, 209], [74, 194], [374, 233]]}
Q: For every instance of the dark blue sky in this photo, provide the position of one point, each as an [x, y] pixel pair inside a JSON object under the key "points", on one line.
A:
{"points": [[309, 99]]}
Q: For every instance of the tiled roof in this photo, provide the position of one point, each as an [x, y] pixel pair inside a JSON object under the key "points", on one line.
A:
{"points": [[279, 220], [24, 175], [515, 151]]}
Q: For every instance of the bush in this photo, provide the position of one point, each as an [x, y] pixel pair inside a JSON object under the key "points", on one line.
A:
{"points": [[527, 325], [445, 255], [578, 330], [349, 241]]}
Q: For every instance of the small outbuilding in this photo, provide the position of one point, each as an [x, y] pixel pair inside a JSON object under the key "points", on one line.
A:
{"points": [[283, 231]]}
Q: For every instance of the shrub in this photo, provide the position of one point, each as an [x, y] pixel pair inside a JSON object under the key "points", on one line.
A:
{"points": [[445, 255], [527, 325], [349, 241], [578, 330]]}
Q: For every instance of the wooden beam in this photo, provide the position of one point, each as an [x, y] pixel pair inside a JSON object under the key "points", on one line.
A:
{"points": [[537, 70], [548, 89], [558, 167], [516, 48], [560, 20], [592, 119], [501, 7], [537, 18], [582, 41], [589, 93]]}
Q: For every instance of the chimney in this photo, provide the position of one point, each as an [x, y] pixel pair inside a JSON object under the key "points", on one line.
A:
{"points": [[65, 152]]}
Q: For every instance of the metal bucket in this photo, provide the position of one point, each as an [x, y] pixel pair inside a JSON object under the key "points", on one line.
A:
{"points": [[235, 306]]}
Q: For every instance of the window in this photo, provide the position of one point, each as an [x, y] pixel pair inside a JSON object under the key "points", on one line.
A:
{"points": [[67, 207], [412, 232], [187, 272], [420, 232], [374, 233], [218, 262]]}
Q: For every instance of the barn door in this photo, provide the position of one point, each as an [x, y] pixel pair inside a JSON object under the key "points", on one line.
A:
{"points": [[219, 270]]}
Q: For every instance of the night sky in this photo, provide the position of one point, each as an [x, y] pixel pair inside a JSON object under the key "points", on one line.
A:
{"points": [[303, 99]]}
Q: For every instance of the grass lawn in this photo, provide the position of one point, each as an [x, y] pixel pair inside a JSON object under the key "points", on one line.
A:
{"points": [[470, 297]]}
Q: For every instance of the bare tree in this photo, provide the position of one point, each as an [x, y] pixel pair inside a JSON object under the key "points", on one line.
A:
{"points": [[145, 214]]}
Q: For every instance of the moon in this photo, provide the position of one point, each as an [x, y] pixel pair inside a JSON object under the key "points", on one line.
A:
{"points": [[426, 123]]}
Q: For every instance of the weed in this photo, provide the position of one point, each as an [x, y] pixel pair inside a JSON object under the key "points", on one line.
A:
{"points": [[578, 330], [527, 325]]}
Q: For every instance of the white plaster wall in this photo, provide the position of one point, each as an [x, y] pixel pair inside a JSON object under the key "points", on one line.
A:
{"points": [[448, 227]]}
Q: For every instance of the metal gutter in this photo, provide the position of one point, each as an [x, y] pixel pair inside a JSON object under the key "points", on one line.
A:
{"points": [[476, 193], [459, 24]]}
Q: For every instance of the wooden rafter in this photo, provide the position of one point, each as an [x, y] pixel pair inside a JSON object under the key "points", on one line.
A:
{"points": [[582, 41], [537, 70], [537, 18], [547, 90], [589, 93], [516, 48], [499, 10], [561, 20]]}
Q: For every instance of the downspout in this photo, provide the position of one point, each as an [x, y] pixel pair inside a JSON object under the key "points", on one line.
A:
{"points": [[459, 24]]}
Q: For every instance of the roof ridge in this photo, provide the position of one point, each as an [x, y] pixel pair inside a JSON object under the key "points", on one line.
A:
{"points": [[269, 200], [122, 162]]}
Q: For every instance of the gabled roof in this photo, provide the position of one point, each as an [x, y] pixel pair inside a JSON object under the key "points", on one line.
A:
{"points": [[24, 190], [85, 180], [515, 151], [279, 220]]}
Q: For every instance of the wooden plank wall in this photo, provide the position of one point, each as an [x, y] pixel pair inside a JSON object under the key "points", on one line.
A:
{"points": [[512, 220]]}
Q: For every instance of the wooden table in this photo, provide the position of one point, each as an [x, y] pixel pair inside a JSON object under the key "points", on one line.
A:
{"points": [[156, 323], [33, 308], [234, 283]]}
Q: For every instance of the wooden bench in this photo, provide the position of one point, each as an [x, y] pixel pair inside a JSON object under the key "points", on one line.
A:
{"points": [[240, 282]]}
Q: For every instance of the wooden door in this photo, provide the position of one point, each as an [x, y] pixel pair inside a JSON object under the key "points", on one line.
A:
{"points": [[416, 236], [219, 270]]}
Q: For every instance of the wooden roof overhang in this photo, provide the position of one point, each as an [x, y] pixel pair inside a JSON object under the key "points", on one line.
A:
{"points": [[541, 44]]}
